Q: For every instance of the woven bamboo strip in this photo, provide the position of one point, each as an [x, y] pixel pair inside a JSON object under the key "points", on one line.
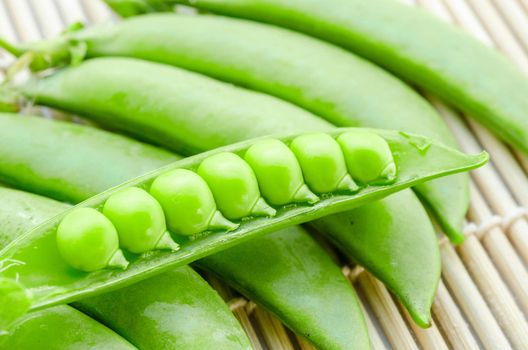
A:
{"points": [[428, 338], [386, 312], [471, 301], [374, 333], [96, 11], [452, 322], [272, 330], [516, 18], [71, 11], [482, 269], [304, 345], [47, 17], [510, 266]]}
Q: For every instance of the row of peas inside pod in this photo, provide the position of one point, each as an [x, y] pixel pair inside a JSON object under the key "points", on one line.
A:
{"points": [[223, 191]]}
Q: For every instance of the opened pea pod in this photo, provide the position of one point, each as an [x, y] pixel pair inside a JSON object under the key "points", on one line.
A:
{"points": [[36, 260]]}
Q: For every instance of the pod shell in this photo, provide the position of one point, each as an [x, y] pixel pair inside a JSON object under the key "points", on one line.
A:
{"points": [[87, 240]]}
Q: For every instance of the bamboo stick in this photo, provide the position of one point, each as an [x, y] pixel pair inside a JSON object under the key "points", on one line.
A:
{"points": [[508, 263], [471, 301], [387, 313], [428, 338], [97, 12], [516, 19], [452, 322], [375, 338], [71, 11], [272, 330]]}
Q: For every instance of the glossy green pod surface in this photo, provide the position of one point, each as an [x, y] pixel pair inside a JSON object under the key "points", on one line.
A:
{"points": [[185, 295], [90, 80], [39, 263], [324, 79], [22, 135], [414, 45], [61, 327]]}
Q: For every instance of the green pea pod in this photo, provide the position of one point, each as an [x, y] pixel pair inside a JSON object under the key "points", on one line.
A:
{"points": [[375, 228], [324, 79], [159, 327], [34, 260], [411, 43], [61, 327], [180, 115], [37, 145]]}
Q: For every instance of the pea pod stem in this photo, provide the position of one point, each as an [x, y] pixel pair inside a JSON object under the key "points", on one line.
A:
{"points": [[413, 164]]}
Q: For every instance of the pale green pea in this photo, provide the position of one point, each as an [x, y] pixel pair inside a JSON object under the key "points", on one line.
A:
{"points": [[322, 163], [88, 241], [368, 157], [188, 203], [278, 173], [139, 221], [234, 186]]}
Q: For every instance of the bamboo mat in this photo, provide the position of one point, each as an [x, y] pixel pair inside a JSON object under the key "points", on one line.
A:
{"points": [[482, 300]]}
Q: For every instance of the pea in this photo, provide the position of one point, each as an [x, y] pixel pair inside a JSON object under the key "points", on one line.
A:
{"points": [[139, 221], [88, 241], [15, 301], [188, 203], [322, 163], [368, 157], [234, 186], [278, 173]]}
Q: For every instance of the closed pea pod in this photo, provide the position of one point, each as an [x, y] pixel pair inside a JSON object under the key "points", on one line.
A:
{"points": [[322, 163], [368, 157], [188, 203], [139, 221], [278, 173], [234, 186], [88, 241]]}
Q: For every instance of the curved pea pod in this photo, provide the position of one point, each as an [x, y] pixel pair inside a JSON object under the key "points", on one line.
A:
{"points": [[160, 327], [341, 323], [188, 203], [47, 267], [61, 327], [139, 221], [320, 151], [263, 288], [234, 186], [322, 78], [383, 224], [416, 46], [279, 173]]}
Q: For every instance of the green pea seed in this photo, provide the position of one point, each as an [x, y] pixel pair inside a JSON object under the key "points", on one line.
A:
{"points": [[139, 221], [88, 241], [234, 186], [188, 203], [322, 163], [278, 173], [368, 157]]}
